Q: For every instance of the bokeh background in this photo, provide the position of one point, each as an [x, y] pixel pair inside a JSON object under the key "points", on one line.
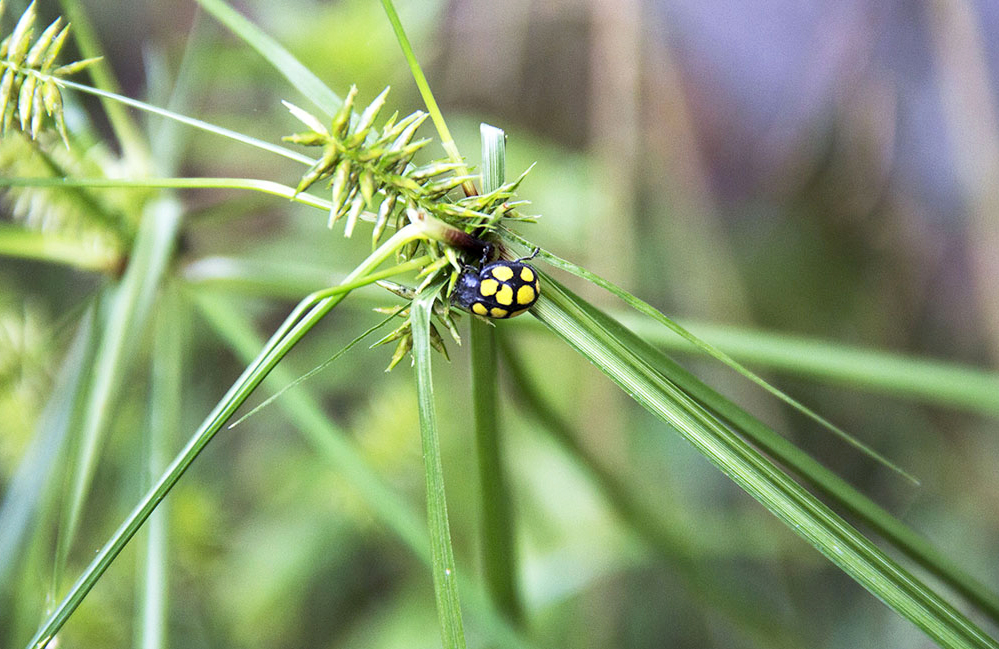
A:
{"points": [[829, 169]]}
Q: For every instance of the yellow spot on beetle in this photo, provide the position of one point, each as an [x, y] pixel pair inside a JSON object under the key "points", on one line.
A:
{"points": [[517, 313], [479, 308], [502, 273], [497, 312], [525, 295], [526, 274], [504, 296], [487, 287]]}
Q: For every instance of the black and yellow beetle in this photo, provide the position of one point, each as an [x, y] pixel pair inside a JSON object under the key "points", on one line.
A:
{"points": [[500, 289]]}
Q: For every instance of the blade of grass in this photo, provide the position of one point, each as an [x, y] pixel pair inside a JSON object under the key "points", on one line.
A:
{"points": [[669, 536], [164, 415], [442, 556], [252, 184], [428, 96], [35, 482], [283, 61], [125, 129], [759, 477], [828, 483], [124, 321], [499, 556], [310, 311], [335, 446], [649, 310], [925, 380], [498, 552], [184, 119]]}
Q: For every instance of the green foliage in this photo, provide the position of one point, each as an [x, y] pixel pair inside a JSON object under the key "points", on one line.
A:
{"points": [[428, 220]]}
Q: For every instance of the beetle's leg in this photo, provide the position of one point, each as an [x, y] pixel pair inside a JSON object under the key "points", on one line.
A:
{"points": [[529, 257], [487, 252]]}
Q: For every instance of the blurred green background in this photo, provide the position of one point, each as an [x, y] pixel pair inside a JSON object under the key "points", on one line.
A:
{"points": [[826, 169]]}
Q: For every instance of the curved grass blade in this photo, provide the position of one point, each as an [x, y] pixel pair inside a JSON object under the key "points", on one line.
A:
{"points": [[757, 475], [665, 534], [283, 61], [910, 377], [316, 370], [335, 445], [442, 556], [714, 352], [126, 317], [190, 121], [252, 184], [309, 312], [428, 96], [825, 481]]}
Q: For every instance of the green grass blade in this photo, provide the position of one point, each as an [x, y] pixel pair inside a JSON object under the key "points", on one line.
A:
{"points": [[251, 184], [37, 478], [283, 61], [125, 129], [758, 476], [442, 556], [499, 556], [825, 481], [646, 308], [666, 533], [309, 312], [164, 415], [125, 319], [428, 96], [190, 121], [335, 446], [925, 380]]}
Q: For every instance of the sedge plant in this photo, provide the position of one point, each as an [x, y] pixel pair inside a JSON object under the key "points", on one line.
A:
{"points": [[426, 222]]}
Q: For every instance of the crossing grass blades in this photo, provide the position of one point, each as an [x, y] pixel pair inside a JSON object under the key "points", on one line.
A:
{"points": [[431, 220]]}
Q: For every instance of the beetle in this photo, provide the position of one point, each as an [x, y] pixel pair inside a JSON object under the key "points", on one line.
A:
{"points": [[500, 289]]}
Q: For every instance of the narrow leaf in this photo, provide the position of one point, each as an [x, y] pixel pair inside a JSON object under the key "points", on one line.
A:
{"points": [[445, 576], [712, 351], [280, 58], [758, 476]]}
